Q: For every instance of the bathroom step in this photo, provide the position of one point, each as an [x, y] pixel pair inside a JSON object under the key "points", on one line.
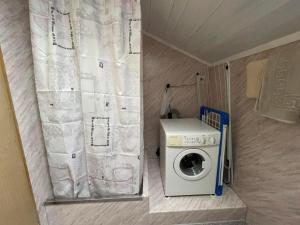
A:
{"points": [[153, 208], [219, 223], [190, 209]]}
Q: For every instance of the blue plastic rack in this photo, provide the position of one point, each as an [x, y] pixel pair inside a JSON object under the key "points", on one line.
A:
{"points": [[220, 121]]}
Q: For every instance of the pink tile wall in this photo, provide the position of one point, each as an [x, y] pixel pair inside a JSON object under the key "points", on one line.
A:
{"points": [[16, 48], [266, 153], [162, 65]]}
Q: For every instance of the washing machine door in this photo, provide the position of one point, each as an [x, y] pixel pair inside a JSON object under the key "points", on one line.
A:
{"points": [[192, 164]]}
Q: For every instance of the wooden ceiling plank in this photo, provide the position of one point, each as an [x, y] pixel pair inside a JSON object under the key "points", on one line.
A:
{"points": [[287, 39], [145, 8], [223, 17], [238, 23], [179, 7], [195, 13], [159, 16], [214, 29], [280, 23]]}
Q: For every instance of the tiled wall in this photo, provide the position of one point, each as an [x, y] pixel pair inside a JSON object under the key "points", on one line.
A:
{"points": [[266, 154], [16, 47], [162, 65]]}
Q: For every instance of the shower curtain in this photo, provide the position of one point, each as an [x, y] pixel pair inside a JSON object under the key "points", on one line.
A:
{"points": [[88, 83]]}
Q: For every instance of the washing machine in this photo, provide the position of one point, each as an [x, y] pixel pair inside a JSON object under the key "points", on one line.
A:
{"points": [[189, 152]]}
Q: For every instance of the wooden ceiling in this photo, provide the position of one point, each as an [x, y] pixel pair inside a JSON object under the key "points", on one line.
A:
{"points": [[212, 30]]}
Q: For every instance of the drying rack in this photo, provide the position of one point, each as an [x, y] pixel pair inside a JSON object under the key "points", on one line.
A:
{"points": [[220, 121]]}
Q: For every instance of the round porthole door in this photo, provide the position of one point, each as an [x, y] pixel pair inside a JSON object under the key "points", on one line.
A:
{"points": [[192, 164]]}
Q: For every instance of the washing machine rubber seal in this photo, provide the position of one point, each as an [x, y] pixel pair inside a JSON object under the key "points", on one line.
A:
{"points": [[206, 164]]}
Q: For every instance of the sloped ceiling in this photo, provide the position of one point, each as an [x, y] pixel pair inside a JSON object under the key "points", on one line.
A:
{"points": [[212, 30]]}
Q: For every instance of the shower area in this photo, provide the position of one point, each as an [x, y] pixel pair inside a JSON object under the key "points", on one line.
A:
{"points": [[87, 64]]}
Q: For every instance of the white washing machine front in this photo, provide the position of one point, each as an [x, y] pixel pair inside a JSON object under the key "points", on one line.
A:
{"points": [[192, 164], [189, 157]]}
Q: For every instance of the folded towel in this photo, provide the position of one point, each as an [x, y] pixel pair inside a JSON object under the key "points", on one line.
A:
{"points": [[255, 72], [279, 96]]}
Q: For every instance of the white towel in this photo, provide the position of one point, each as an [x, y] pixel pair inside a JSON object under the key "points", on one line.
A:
{"points": [[279, 97]]}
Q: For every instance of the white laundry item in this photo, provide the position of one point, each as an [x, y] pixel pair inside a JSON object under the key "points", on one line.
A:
{"points": [[166, 101], [279, 96], [88, 82]]}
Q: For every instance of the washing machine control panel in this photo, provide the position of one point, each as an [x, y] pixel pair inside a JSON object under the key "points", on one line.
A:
{"points": [[193, 140]]}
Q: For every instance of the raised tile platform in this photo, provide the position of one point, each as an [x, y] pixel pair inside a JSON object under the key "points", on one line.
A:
{"points": [[190, 209], [153, 209]]}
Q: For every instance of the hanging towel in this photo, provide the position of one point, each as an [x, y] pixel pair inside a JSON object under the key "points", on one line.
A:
{"points": [[255, 71], [165, 104], [279, 96]]}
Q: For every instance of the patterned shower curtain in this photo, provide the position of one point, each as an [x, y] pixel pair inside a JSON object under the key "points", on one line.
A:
{"points": [[88, 83]]}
